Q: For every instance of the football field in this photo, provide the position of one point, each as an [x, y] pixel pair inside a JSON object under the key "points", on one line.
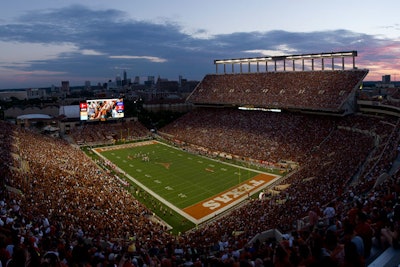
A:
{"points": [[196, 187]]}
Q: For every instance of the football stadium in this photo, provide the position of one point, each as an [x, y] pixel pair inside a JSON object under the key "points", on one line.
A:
{"points": [[279, 163]]}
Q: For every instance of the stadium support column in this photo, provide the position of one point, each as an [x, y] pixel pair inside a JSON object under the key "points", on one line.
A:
{"points": [[333, 64], [322, 64], [275, 63], [293, 65], [354, 62], [312, 64], [342, 63], [302, 64]]}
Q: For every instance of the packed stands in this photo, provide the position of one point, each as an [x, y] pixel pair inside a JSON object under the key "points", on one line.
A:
{"points": [[53, 195], [314, 90], [56, 197], [323, 146], [228, 130], [96, 133], [337, 207]]}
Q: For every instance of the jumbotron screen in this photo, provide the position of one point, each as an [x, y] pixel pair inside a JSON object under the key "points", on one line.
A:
{"points": [[102, 109]]}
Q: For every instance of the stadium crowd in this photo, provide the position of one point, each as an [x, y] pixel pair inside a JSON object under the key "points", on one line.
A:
{"points": [[302, 89], [100, 133], [58, 208]]}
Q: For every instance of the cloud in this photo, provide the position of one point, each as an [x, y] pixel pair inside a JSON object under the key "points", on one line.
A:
{"points": [[149, 58], [78, 43], [279, 50], [90, 52], [16, 52], [41, 73]]}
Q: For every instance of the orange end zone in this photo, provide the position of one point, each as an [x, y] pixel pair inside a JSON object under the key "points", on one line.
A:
{"points": [[219, 202]]}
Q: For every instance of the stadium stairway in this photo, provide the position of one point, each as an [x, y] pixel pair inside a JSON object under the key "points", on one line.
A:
{"points": [[390, 257]]}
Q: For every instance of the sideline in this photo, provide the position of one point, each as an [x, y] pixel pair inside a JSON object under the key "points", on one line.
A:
{"points": [[239, 197]]}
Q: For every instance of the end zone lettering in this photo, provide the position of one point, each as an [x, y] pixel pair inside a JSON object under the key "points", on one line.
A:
{"points": [[203, 209], [229, 196]]}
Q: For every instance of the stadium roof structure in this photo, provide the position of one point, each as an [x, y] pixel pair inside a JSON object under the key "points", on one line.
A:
{"points": [[291, 58]]}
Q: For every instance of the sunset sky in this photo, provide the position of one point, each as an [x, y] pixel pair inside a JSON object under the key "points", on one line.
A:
{"points": [[44, 42]]}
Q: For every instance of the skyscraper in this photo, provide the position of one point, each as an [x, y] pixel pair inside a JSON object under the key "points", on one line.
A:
{"points": [[65, 87]]}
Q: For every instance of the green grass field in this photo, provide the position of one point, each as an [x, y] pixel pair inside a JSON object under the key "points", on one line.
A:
{"points": [[180, 178], [175, 178]]}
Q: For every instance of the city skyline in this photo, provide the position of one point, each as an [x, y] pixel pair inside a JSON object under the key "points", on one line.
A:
{"points": [[46, 42]]}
